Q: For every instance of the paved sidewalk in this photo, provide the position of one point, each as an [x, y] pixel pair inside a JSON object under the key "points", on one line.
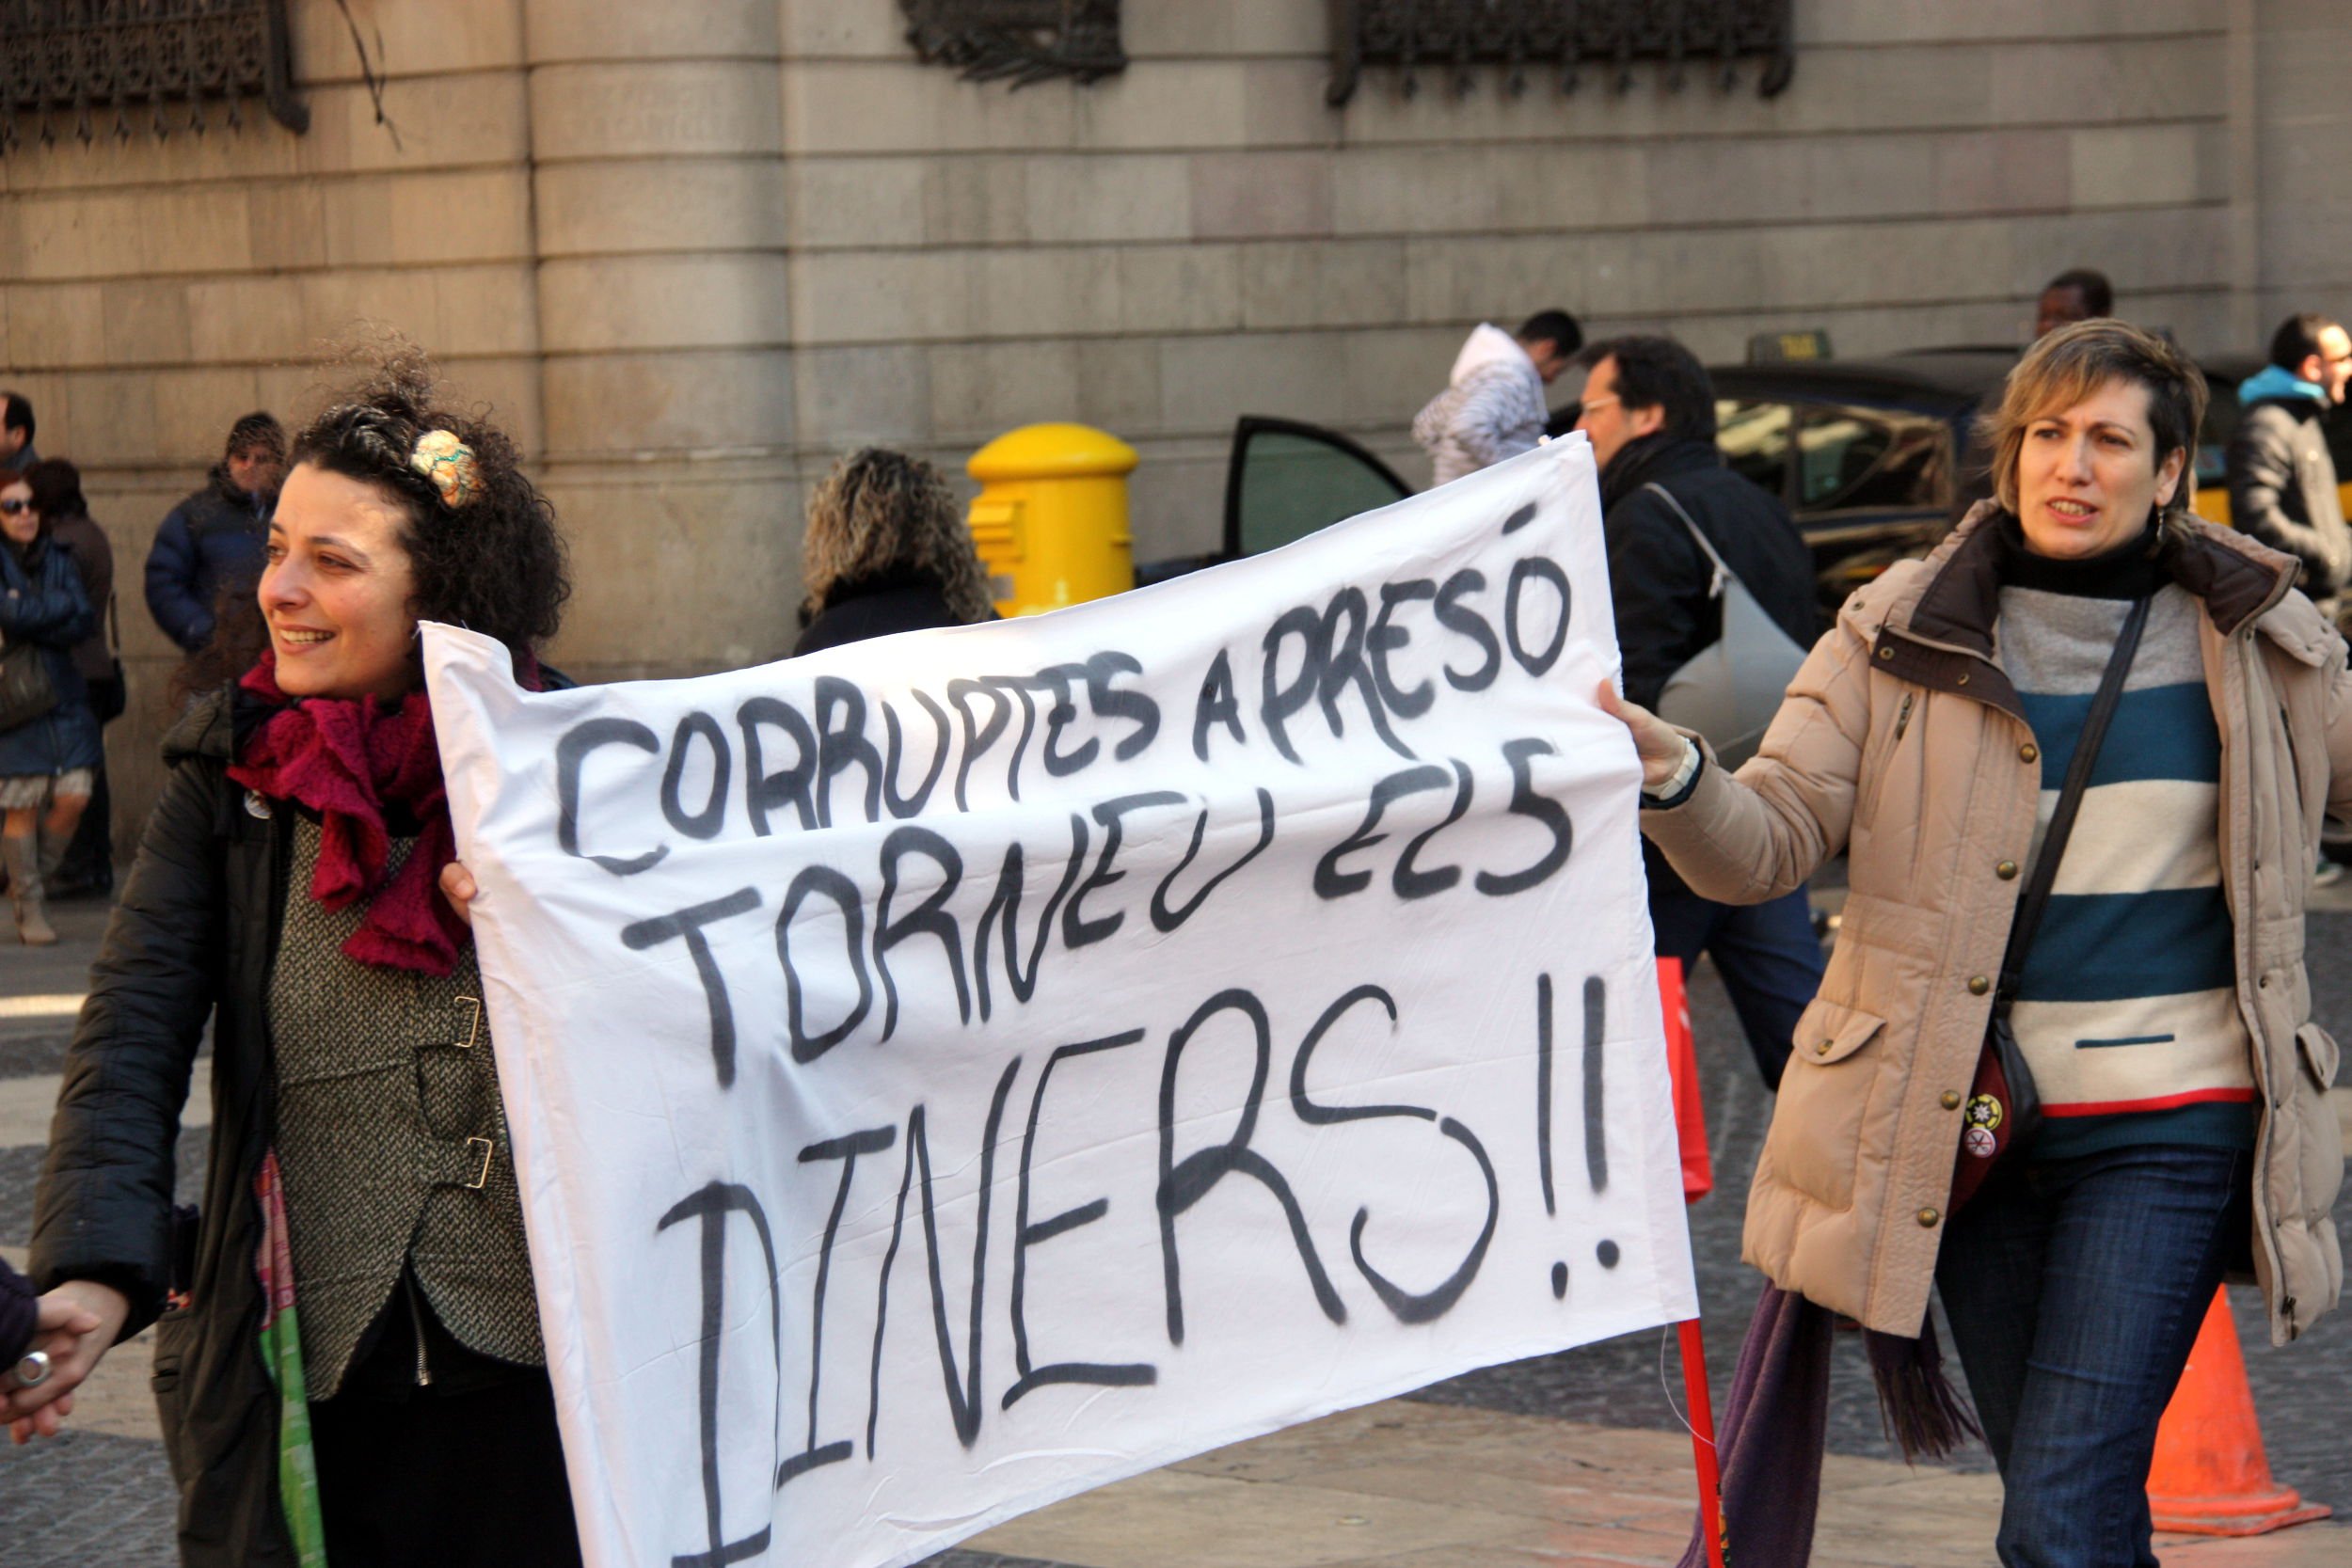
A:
{"points": [[1403, 1484], [1564, 1460], [1415, 1485]]}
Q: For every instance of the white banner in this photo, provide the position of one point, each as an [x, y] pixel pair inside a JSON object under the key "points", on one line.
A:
{"points": [[953, 1072]]}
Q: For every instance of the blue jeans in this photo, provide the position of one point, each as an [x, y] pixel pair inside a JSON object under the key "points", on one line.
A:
{"points": [[1766, 954], [2075, 1289]]}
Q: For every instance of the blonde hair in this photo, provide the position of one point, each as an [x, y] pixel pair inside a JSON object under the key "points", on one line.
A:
{"points": [[2074, 361], [882, 513]]}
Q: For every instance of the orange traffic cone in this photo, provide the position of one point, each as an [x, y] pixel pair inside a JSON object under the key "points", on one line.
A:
{"points": [[2210, 1476]]}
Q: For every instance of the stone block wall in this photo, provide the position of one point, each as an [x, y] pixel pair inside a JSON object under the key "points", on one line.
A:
{"points": [[1201, 237], [153, 290], [692, 252], [2302, 135]]}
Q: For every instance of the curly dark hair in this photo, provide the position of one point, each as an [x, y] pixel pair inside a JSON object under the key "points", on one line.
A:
{"points": [[495, 564]]}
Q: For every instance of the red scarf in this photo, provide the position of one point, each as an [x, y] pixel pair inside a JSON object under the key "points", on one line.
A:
{"points": [[347, 760]]}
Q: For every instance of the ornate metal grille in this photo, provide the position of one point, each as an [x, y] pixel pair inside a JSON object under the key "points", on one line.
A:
{"points": [[1456, 36], [1020, 40], [77, 60]]}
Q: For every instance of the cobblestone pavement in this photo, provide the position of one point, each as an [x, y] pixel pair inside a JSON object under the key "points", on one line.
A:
{"points": [[105, 1498], [82, 1501], [2301, 1392]]}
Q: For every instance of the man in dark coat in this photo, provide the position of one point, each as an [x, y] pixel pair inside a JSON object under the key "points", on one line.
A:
{"points": [[212, 540], [2282, 481], [1649, 411]]}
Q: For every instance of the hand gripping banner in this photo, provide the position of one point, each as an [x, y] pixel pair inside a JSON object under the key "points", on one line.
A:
{"points": [[951, 1071]]}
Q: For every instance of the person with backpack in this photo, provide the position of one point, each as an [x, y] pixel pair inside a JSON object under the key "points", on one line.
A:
{"points": [[1695, 551]]}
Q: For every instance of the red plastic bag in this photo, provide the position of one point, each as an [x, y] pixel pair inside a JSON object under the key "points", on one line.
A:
{"points": [[1682, 1070]]}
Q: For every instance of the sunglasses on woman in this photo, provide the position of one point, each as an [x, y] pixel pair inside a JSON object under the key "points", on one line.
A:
{"points": [[11, 507]]}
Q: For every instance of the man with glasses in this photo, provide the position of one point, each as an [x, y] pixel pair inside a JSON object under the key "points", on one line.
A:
{"points": [[2283, 482], [1649, 411]]}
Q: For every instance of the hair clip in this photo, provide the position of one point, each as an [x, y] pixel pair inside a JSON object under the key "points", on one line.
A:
{"points": [[447, 462]]}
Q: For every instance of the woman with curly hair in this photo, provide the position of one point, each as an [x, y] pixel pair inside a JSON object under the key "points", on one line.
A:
{"points": [[348, 1359], [886, 551]]}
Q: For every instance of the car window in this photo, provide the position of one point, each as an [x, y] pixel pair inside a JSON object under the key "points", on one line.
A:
{"points": [[1753, 439], [1853, 458], [1289, 481]]}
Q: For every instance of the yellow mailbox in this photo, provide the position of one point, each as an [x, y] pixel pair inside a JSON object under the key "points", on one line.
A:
{"points": [[1050, 518]]}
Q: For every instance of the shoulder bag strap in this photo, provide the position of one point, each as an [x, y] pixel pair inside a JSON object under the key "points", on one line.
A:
{"points": [[2037, 894], [1714, 589]]}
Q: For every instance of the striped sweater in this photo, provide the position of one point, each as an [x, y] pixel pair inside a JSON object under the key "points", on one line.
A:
{"points": [[2126, 1008]]}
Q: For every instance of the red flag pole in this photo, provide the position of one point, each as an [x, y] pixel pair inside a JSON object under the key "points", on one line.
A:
{"points": [[1703, 1438]]}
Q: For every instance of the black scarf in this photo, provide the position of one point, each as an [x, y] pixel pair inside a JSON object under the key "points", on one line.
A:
{"points": [[2131, 570], [1648, 458]]}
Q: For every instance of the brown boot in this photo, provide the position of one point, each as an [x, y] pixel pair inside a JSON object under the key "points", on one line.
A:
{"points": [[25, 890]]}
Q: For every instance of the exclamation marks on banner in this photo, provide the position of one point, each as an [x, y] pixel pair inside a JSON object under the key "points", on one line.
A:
{"points": [[1596, 1127], [1543, 1109], [1596, 1133]]}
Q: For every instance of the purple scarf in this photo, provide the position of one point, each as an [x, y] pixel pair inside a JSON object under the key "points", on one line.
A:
{"points": [[1776, 1423]]}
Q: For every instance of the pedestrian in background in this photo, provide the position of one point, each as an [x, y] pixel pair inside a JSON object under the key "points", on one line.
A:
{"points": [[210, 545], [2282, 479], [2077, 294], [87, 869], [16, 432], [887, 549], [2159, 1008], [48, 760], [1493, 404], [1649, 411], [358, 1300]]}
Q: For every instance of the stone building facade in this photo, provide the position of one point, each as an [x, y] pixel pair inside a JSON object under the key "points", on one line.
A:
{"points": [[692, 251]]}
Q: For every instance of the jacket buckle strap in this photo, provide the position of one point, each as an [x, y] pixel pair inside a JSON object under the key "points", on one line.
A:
{"points": [[455, 1163], [473, 1024]]}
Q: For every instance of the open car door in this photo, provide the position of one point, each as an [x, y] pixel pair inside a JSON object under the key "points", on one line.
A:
{"points": [[1286, 480]]}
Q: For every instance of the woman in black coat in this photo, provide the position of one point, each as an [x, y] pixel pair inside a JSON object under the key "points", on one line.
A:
{"points": [[347, 1350], [886, 551]]}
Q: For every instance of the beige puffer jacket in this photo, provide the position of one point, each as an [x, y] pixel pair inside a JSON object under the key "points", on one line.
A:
{"points": [[1903, 743]]}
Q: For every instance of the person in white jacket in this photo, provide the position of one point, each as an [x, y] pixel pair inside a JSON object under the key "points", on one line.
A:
{"points": [[1493, 404]]}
